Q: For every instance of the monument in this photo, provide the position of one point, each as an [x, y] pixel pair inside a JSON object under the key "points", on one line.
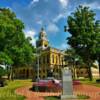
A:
{"points": [[67, 92]]}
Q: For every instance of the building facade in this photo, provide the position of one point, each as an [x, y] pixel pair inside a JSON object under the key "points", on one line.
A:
{"points": [[25, 72], [51, 60]]}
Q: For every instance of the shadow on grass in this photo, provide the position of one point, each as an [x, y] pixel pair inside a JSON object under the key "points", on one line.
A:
{"points": [[79, 97]]}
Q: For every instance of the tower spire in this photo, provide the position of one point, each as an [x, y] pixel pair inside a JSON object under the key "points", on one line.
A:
{"points": [[42, 29], [42, 41], [42, 34]]}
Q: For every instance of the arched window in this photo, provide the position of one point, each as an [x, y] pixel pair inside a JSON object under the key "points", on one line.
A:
{"points": [[52, 58], [23, 71], [56, 59], [48, 59], [27, 73]]}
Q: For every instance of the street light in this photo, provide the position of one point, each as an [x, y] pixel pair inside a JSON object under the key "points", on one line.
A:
{"points": [[37, 66]]}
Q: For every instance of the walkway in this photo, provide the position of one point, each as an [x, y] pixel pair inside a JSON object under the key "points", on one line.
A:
{"points": [[92, 91], [89, 90]]}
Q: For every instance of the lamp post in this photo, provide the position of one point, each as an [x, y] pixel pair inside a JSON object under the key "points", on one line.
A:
{"points": [[38, 64], [38, 68]]}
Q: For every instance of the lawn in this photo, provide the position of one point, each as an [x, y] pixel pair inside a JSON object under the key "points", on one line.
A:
{"points": [[93, 82], [8, 92], [79, 97]]}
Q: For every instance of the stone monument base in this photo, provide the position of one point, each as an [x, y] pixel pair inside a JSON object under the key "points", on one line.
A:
{"points": [[68, 97]]}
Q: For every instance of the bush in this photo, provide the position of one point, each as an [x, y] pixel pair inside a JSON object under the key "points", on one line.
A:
{"points": [[2, 82], [98, 81]]}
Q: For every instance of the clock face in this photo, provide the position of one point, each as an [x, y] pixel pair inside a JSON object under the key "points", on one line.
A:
{"points": [[45, 45]]}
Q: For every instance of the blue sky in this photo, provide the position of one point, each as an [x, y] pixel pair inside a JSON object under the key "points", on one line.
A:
{"points": [[52, 14]]}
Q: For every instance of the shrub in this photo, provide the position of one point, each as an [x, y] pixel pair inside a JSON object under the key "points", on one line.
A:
{"points": [[98, 81]]}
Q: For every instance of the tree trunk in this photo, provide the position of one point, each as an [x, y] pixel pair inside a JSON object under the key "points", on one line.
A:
{"points": [[11, 74], [89, 71], [99, 67], [74, 76], [8, 76], [76, 73]]}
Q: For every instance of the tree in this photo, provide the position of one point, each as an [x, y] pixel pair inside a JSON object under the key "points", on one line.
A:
{"points": [[15, 49], [6, 61], [84, 35], [2, 72], [73, 60], [96, 49]]}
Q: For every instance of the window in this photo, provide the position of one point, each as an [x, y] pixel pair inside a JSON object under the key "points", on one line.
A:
{"points": [[45, 45], [43, 76], [56, 60], [39, 61], [81, 72], [44, 70], [52, 58], [48, 59], [44, 59]]}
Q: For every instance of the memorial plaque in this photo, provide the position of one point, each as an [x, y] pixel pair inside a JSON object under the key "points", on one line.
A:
{"points": [[67, 82], [67, 85]]}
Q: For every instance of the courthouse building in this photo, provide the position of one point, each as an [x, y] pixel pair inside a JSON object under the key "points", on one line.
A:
{"points": [[51, 60]]}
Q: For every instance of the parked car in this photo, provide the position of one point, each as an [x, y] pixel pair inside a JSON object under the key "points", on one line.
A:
{"points": [[49, 84]]}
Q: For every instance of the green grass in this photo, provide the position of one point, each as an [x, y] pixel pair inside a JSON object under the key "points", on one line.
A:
{"points": [[52, 98], [93, 82], [79, 97], [8, 92], [83, 97]]}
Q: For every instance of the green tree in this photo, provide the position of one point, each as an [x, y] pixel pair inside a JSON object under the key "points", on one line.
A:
{"points": [[6, 61], [74, 60], [96, 49], [84, 35], [2, 72], [15, 49]]}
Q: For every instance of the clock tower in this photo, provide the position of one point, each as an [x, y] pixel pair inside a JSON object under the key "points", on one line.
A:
{"points": [[42, 42]]}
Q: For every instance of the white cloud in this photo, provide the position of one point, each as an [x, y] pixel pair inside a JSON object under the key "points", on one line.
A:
{"points": [[56, 19], [52, 28], [32, 34], [64, 3], [93, 5], [63, 46], [62, 15], [64, 12], [40, 22], [34, 1]]}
